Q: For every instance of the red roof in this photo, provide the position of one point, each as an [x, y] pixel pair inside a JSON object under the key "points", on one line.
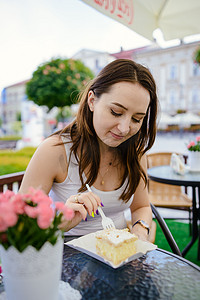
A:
{"points": [[128, 54], [18, 83]]}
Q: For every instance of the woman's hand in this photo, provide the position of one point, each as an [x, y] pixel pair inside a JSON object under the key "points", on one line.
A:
{"points": [[82, 204]]}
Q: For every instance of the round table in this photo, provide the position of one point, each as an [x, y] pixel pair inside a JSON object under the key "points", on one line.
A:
{"points": [[165, 174], [156, 275]]}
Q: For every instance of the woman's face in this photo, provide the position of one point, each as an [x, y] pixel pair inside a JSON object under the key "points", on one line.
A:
{"points": [[118, 114]]}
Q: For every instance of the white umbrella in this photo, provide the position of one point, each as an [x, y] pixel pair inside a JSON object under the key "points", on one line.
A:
{"points": [[186, 119], [164, 120], [175, 18]]}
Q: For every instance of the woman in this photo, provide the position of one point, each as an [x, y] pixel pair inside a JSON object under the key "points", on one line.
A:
{"points": [[103, 147]]}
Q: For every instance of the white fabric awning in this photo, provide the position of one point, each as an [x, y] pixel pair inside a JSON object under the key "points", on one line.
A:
{"points": [[175, 18]]}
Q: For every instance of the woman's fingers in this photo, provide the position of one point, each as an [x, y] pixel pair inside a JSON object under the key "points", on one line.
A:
{"points": [[77, 207], [84, 203]]}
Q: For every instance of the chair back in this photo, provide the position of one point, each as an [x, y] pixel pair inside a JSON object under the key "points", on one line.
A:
{"points": [[11, 182], [160, 159]]}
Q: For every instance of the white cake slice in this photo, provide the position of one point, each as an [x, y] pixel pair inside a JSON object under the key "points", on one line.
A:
{"points": [[115, 245]]}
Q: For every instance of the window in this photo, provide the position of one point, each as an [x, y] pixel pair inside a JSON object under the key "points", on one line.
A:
{"points": [[195, 96], [196, 69], [172, 98], [173, 72]]}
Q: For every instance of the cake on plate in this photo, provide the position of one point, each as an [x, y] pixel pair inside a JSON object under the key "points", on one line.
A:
{"points": [[115, 245]]}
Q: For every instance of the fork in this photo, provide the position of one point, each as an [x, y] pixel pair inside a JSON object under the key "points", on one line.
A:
{"points": [[107, 223]]}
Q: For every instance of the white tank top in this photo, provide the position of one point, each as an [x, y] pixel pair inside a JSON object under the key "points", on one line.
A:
{"points": [[113, 207]]}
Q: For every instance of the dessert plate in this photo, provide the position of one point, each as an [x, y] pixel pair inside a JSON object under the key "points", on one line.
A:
{"points": [[87, 244], [193, 170]]}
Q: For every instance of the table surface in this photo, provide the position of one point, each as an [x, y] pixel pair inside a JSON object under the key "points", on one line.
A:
{"points": [[166, 174], [156, 275]]}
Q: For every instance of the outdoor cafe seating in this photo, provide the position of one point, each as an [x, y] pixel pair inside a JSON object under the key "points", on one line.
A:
{"points": [[164, 195], [13, 182], [147, 277]]}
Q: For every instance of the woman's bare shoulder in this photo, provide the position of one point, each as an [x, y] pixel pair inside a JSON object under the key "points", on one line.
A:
{"points": [[47, 165], [53, 144]]}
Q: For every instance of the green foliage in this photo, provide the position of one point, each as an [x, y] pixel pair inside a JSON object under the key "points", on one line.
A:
{"points": [[15, 161], [10, 138], [64, 113], [18, 116], [58, 82], [16, 127], [180, 232], [197, 56]]}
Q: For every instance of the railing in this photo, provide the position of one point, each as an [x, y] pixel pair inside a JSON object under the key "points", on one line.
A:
{"points": [[11, 181]]}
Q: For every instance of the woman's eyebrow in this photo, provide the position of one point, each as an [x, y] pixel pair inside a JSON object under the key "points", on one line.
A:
{"points": [[120, 105]]}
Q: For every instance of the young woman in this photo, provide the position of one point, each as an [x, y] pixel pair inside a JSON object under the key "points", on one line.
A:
{"points": [[103, 147]]}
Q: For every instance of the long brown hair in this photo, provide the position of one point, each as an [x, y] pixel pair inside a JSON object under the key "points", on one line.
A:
{"points": [[83, 135]]}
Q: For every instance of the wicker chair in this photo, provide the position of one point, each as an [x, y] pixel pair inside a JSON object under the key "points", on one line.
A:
{"points": [[164, 195]]}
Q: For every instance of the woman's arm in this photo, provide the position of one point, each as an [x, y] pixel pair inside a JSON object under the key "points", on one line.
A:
{"points": [[49, 164], [140, 207]]}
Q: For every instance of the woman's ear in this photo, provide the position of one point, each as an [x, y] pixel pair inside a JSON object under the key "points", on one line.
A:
{"points": [[91, 100]]}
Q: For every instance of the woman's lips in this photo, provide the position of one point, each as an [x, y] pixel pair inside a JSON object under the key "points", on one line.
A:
{"points": [[116, 136]]}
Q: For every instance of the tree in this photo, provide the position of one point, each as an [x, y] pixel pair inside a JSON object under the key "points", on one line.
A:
{"points": [[58, 82], [197, 56]]}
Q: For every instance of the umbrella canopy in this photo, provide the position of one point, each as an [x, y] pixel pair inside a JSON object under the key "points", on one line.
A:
{"points": [[175, 18], [164, 120], [186, 119]]}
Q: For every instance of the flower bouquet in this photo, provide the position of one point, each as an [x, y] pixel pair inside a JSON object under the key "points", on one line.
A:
{"points": [[31, 244], [192, 146], [194, 154]]}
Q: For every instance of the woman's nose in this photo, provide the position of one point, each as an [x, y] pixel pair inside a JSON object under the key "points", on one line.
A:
{"points": [[124, 126]]}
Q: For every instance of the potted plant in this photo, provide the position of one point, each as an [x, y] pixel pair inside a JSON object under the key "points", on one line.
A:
{"points": [[31, 244], [194, 154]]}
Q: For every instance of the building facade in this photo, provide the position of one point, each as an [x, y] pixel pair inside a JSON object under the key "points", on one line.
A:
{"points": [[176, 74], [95, 60], [11, 100]]}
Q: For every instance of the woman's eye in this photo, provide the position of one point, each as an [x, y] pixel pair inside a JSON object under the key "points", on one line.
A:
{"points": [[136, 120], [115, 114]]}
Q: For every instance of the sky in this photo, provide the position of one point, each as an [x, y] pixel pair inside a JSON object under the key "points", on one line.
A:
{"points": [[34, 31]]}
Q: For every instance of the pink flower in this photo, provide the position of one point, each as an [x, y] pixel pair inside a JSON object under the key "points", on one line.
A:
{"points": [[45, 72], [31, 211], [8, 217], [68, 213], [45, 215], [62, 66], [77, 75], [198, 138], [191, 144], [16, 210], [38, 196], [18, 204], [5, 197]]}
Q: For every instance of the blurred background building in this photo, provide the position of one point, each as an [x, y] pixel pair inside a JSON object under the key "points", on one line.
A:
{"points": [[177, 78]]}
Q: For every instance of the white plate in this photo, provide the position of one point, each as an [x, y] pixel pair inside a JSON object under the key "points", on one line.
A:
{"points": [[87, 244], [194, 170]]}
